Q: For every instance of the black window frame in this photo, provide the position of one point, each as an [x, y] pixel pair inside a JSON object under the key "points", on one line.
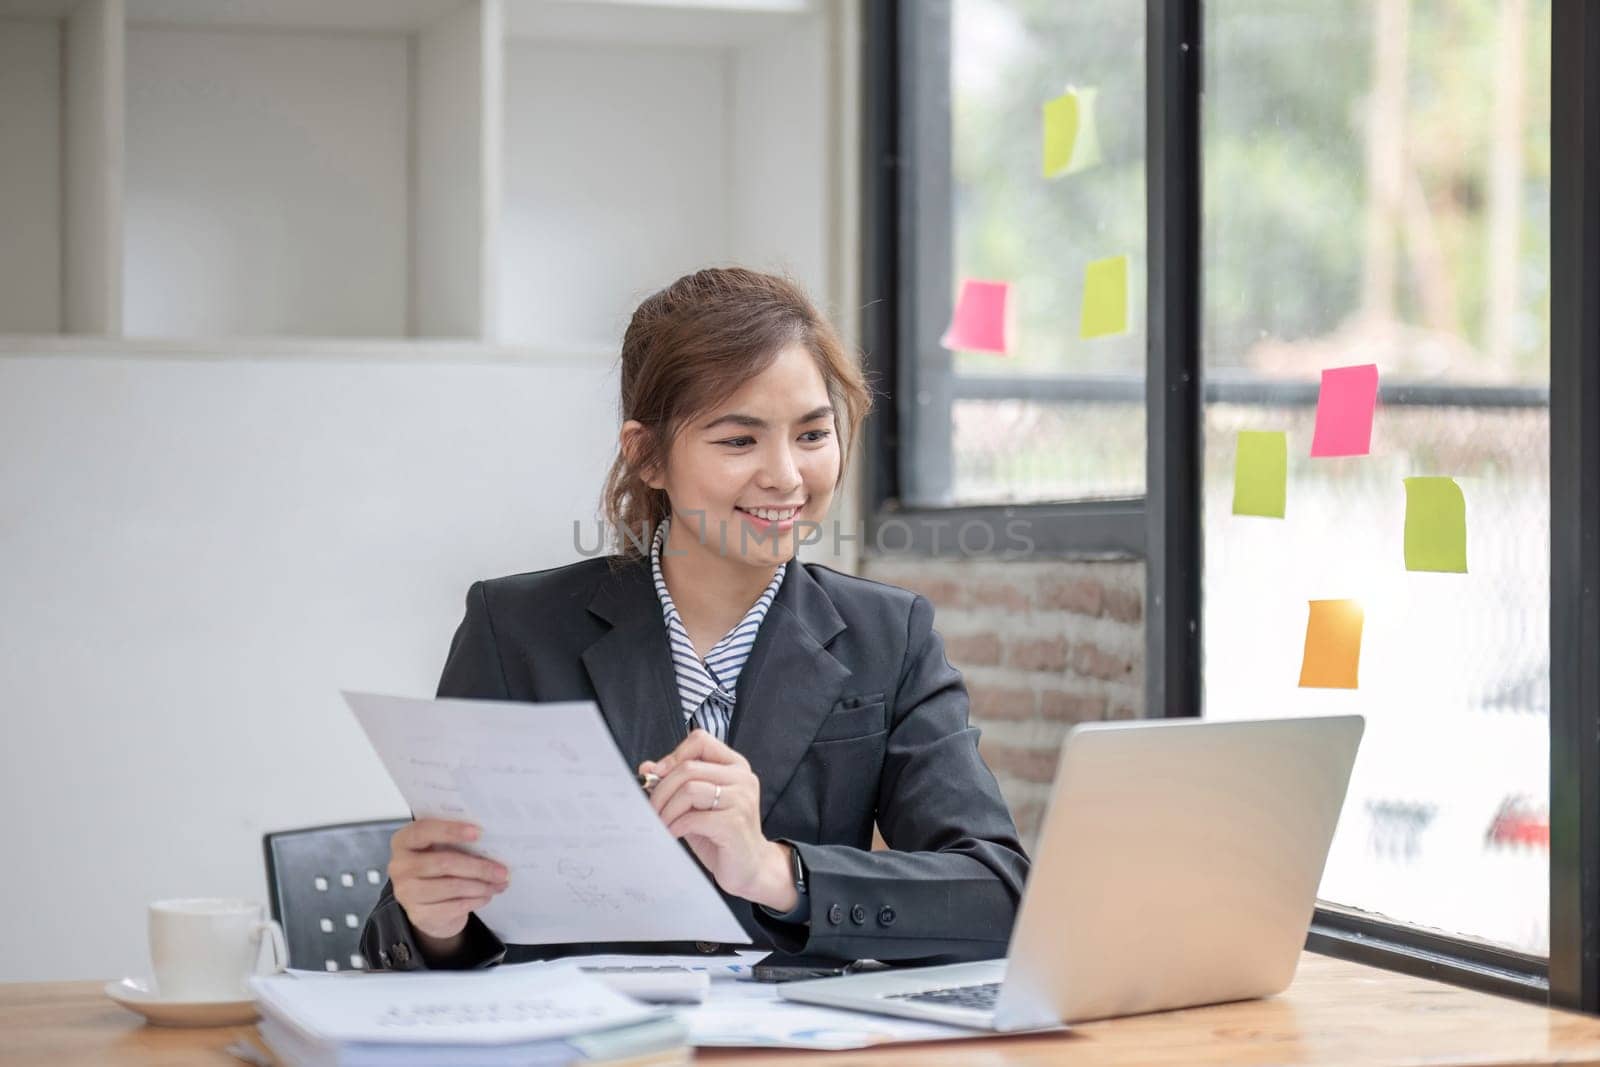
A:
{"points": [[906, 278], [905, 303]]}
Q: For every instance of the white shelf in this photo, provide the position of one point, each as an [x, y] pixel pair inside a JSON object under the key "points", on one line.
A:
{"points": [[306, 169], [480, 171], [406, 350], [592, 224], [30, 173], [266, 188], [695, 23], [369, 16], [60, 143], [456, 65], [646, 140]]}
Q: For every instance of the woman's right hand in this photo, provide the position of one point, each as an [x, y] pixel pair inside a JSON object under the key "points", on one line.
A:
{"points": [[436, 883]]}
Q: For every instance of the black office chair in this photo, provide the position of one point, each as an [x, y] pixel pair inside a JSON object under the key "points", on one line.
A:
{"points": [[322, 881]]}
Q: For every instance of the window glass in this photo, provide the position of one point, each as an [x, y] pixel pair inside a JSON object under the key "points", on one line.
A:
{"points": [[1377, 182], [1067, 421]]}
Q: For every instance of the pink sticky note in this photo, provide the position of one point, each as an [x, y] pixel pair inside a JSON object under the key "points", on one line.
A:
{"points": [[979, 322], [1344, 411]]}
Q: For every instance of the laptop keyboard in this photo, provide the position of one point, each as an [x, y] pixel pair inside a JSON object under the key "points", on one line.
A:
{"points": [[977, 997]]}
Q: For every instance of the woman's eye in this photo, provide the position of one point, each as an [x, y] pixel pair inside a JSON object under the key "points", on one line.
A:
{"points": [[810, 437]]}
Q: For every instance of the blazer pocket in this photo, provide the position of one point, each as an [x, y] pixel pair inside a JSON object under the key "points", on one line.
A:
{"points": [[850, 720]]}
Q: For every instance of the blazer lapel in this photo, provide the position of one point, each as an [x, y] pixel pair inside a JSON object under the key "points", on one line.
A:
{"points": [[789, 684], [631, 667]]}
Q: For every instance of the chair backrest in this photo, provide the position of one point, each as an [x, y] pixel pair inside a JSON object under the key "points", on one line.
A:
{"points": [[322, 881]]}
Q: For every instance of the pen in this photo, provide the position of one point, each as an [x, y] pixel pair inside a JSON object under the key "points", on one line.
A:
{"points": [[648, 782]]}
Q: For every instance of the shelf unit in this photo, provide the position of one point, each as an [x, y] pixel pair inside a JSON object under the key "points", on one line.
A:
{"points": [[486, 172], [60, 166]]}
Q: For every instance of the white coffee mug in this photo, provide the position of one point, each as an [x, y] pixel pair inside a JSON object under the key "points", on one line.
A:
{"points": [[206, 948]]}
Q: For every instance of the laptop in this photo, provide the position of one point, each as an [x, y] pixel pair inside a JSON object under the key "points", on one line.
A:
{"points": [[1178, 865]]}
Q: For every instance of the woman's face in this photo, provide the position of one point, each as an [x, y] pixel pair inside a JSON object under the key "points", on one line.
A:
{"points": [[772, 447]]}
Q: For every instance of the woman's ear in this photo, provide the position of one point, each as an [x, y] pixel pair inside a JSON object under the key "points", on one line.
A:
{"points": [[634, 443]]}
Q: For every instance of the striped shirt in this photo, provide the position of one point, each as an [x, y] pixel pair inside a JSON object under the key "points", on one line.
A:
{"points": [[707, 688]]}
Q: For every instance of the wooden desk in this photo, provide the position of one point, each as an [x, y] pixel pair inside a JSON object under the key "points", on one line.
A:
{"points": [[1334, 1013]]}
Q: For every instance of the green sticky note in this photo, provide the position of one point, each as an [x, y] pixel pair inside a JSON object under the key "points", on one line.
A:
{"points": [[1071, 142], [1261, 473], [1105, 298], [1436, 526]]}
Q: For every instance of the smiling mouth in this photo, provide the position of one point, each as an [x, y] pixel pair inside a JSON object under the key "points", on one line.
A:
{"points": [[770, 514]]}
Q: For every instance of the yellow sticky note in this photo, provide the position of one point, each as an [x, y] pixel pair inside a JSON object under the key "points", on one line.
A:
{"points": [[1261, 473], [1071, 142], [1105, 298], [1333, 645], [1436, 526]]}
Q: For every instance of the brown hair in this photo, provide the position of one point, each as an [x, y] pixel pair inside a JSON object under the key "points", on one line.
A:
{"points": [[693, 344]]}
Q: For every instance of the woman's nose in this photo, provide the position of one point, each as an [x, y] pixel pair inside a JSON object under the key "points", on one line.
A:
{"points": [[781, 469]]}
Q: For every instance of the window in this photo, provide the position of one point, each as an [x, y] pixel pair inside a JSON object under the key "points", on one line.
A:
{"points": [[1402, 183], [1389, 205], [1055, 417]]}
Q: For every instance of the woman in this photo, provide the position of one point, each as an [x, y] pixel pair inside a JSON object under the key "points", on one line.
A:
{"points": [[784, 707]]}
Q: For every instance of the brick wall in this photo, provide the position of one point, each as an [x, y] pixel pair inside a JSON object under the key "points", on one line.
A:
{"points": [[1042, 645]]}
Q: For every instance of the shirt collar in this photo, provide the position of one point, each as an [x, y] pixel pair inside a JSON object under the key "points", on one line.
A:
{"points": [[696, 680]]}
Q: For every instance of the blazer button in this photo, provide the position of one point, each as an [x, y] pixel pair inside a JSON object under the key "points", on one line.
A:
{"points": [[858, 914], [708, 947], [886, 916], [835, 914], [401, 953]]}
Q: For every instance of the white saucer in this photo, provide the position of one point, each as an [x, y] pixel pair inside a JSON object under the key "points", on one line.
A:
{"points": [[140, 995]]}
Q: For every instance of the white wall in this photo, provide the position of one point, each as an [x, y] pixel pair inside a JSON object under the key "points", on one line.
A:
{"points": [[195, 554], [266, 188]]}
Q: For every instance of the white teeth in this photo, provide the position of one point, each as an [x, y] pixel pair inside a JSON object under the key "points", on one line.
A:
{"points": [[770, 515]]}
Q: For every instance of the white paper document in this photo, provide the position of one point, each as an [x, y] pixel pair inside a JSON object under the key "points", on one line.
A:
{"points": [[590, 860], [446, 1007], [737, 966], [740, 1014]]}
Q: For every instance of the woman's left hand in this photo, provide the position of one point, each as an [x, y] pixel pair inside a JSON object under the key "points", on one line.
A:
{"points": [[709, 796]]}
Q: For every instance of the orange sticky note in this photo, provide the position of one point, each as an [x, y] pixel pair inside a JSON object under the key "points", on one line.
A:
{"points": [[979, 322], [1344, 411], [1333, 645]]}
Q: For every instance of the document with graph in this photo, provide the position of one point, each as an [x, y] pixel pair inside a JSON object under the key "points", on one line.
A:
{"points": [[589, 858]]}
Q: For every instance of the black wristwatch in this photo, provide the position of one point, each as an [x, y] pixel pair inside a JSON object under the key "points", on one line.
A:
{"points": [[799, 868], [801, 912]]}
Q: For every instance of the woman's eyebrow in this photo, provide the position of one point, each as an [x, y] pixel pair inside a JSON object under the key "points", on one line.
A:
{"points": [[753, 423]]}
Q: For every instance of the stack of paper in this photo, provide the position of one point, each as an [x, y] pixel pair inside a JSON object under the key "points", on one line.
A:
{"points": [[554, 1016]]}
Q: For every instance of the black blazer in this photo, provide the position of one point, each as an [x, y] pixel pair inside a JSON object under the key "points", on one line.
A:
{"points": [[849, 714]]}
